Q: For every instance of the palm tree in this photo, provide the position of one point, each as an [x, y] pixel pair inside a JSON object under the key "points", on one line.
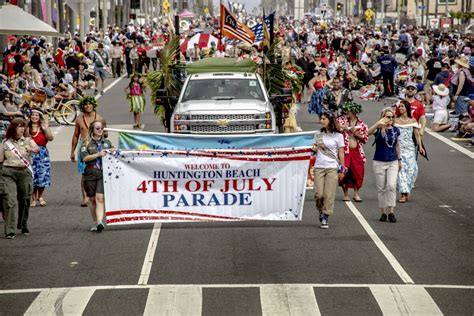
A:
{"points": [[167, 79], [457, 16]]}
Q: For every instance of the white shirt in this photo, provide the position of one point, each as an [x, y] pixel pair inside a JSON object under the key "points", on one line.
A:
{"points": [[440, 103], [332, 142]]}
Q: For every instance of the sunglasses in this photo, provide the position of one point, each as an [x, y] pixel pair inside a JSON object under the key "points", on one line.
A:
{"points": [[411, 88], [389, 117], [98, 128]]}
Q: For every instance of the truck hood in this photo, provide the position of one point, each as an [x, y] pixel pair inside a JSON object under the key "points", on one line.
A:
{"points": [[224, 106]]}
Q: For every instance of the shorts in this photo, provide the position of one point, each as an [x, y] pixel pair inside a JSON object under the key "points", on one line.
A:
{"points": [[440, 117], [93, 183], [100, 72]]}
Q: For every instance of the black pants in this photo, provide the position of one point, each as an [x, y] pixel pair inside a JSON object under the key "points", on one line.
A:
{"points": [[388, 85], [128, 63]]}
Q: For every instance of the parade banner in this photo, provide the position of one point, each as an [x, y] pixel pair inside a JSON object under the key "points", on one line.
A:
{"points": [[146, 186], [148, 140]]}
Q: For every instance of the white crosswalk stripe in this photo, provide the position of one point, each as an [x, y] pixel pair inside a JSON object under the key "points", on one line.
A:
{"points": [[407, 300], [293, 300], [61, 302], [169, 300], [275, 299]]}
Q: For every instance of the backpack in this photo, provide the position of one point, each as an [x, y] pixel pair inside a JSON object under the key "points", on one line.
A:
{"points": [[447, 82]]}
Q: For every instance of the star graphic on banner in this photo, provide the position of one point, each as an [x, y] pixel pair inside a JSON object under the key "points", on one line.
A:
{"points": [[164, 154]]}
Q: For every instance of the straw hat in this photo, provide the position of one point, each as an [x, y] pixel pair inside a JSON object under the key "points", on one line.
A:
{"points": [[463, 61], [441, 90]]}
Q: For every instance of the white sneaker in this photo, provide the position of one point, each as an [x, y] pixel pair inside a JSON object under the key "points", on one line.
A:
{"points": [[94, 228], [324, 222]]}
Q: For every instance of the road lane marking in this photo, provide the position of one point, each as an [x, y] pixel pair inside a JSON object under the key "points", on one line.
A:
{"points": [[243, 285], [378, 242], [170, 300], [150, 254], [71, 301], [408, 300], [449, 142], [97, 97], [187, 299], [285, 300]]}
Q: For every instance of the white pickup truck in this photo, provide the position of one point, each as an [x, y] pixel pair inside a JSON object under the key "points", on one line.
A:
{"points": [[223, 103]]}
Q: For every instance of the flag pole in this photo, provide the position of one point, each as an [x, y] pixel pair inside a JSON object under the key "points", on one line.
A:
{"points": [[272, 17]]}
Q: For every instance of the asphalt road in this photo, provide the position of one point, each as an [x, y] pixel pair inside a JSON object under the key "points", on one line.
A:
{"points": [[423, 264]]}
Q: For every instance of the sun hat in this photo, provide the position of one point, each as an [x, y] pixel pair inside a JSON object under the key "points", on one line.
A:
{"points": [[441, 90], [463, 61]]}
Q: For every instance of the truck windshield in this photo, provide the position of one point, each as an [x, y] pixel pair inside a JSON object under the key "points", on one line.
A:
{"points": [[223, 89]]}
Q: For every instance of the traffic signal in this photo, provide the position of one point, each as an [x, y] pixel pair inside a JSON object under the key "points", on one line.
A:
{"points": [[134, 4], [339, 6]]}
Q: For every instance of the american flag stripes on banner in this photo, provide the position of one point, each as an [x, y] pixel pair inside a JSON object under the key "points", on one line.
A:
{"points": [[233, 28]]}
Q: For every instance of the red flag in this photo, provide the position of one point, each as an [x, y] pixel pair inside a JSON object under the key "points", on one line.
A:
{"points": [[233, 28]]}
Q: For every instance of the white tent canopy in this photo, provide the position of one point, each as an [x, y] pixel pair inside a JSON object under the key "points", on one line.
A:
{"points": [[14, 20]]}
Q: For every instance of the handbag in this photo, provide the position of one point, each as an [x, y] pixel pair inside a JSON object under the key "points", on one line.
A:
{"points": [[39, 96]]}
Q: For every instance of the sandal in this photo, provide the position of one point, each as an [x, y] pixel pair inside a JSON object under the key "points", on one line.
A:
{"points": [[346, 199], [42, 202], [357, 199], [33, 204], [402, 199]]}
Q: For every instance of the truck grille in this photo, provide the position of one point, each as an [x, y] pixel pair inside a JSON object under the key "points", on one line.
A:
{"points": [[215, 129], [215, 117]]}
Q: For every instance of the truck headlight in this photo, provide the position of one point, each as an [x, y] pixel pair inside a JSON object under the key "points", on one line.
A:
{"points": [[263, 116], [181, 127], [181, 117]]}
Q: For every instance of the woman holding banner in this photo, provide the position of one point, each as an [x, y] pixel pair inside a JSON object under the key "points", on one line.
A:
{"points": [[329, 166], [91, 153]]}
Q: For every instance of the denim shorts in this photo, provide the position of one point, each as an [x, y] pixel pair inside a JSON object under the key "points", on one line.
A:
{"points": [[99, 71]]}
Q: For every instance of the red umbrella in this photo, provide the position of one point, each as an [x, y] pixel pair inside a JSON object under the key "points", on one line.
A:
{"points": [[203, 40], [186, 14]]}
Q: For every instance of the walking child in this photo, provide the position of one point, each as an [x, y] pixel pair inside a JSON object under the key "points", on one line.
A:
{"points": [[136, 97]]}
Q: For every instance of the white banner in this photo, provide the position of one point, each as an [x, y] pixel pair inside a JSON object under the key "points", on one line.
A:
{"points": [[173, 186]]}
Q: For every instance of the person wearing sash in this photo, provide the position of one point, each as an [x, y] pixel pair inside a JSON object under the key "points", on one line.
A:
{"points": [[329, 166], [17, 176], [91, 153], [88, 106], [101, 63]]}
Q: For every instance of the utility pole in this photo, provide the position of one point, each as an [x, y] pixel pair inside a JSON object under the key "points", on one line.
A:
{"points": [[104, 17], [113, 13], [446, 11], [72, 20], [61, 16], [145, 8]]}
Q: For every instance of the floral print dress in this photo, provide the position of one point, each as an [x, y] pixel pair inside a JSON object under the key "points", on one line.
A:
{"points": [[409, 170]]}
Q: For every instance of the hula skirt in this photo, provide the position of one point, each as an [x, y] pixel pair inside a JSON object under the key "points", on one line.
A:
{"points": [[137, 103], [41, 168]]}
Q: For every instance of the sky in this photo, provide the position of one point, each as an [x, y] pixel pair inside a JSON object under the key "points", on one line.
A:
{"points": [[249, 4]]}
